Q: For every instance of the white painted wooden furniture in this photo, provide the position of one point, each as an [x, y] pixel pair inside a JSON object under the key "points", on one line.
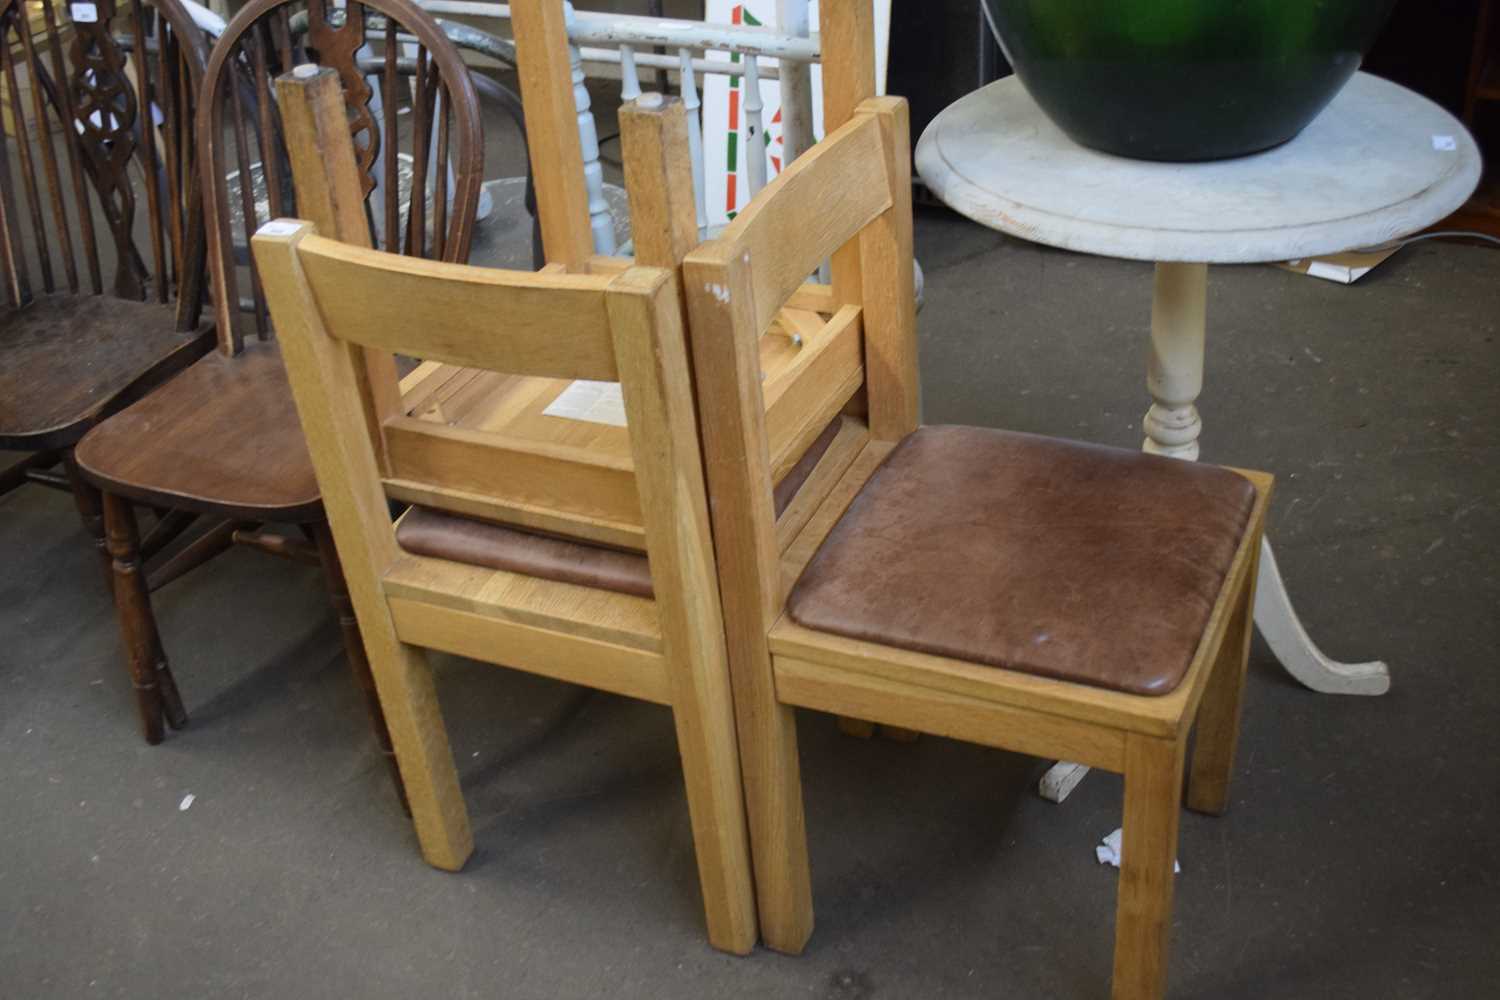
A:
{"points": [[626, 41], [1379, 163]]}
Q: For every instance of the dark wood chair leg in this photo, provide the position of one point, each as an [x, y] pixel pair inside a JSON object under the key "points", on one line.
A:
{"points": [[354, 649], [86, 497], [156, 690]]}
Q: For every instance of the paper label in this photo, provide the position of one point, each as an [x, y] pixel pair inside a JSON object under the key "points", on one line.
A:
{"points": [[1444, 143], [595, 402], [1334, 272], [83, 13]]}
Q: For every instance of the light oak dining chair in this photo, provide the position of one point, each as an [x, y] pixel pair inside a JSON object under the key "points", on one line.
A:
{"points": [[647, 628], [1042, 596]]}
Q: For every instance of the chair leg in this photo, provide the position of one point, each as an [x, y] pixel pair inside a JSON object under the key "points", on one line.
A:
{"points": [[86, 497], [408, 698], [704, 718], [156, 691], [354, 650], [1218, 727], [778, 829], [1143, 920], [858, 728]]}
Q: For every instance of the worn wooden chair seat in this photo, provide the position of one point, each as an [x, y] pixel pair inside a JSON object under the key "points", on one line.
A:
{"points": [[1074, 561], [435, 533], [94, 351], [267, 476]]}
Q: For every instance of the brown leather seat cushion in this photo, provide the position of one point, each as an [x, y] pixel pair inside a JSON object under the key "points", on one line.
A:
{"points": [[1067, 560], [427, 532]]}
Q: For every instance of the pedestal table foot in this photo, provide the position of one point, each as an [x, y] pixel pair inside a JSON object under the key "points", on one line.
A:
{"points": [[1294, 648]]}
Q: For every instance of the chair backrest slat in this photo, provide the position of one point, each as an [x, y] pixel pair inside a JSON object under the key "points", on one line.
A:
{"points": [[421, 125], [167, 78], [247, 186], [815, 206], [388, 108], [259, 42], [147, 103], [48, 155], [517, 322], [440, 183], [18, 115], [12, 252], [75, 169]]}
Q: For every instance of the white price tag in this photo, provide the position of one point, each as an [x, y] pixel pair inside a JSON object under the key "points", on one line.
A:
{"points": [[83, 13], [594, 402], [277, 227], [1444, 143]]}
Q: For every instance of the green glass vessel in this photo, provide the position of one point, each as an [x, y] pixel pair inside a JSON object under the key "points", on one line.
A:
{"points": [[1185, 79]]}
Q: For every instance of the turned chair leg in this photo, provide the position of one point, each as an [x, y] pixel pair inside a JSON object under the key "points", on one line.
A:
{"points": [[354, 649], [86, 497], [1143, 919], [156, 690], [1218, 727]]}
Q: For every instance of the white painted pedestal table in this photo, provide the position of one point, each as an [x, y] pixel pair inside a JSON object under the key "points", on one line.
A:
{"points": [[1379, 163]]}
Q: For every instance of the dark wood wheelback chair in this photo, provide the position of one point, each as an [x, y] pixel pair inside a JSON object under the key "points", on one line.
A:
{"points": [[222, 441], [103, 294]]}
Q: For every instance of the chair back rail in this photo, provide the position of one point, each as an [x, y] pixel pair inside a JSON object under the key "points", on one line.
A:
{"points": [[810, 210], [555, 325], [116, 101], [851, 189], [421, 180]]}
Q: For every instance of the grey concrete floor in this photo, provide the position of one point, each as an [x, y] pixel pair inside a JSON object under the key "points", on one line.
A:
{"points": [[1359, 858]]}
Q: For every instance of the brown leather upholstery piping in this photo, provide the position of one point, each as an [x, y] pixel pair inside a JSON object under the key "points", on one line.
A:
{"points": [[1066, 560], [439, 534]]}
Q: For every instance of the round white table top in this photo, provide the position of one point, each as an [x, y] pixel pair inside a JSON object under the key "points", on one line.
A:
{"points": [[1378, 163]]}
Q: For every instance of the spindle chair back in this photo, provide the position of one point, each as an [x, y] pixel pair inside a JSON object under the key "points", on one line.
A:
{"points": [[435, 156], [226, 443], [96, 90], [98, 204]]}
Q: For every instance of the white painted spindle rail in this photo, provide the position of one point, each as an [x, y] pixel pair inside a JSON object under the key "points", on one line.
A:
{"points": [[691, 104], [755, 136], [601, 223]]}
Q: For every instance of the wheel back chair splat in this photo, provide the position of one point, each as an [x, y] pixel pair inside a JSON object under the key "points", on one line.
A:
{"points": [[1000, 588], [332, 303], [78, 343], [228, 444]]}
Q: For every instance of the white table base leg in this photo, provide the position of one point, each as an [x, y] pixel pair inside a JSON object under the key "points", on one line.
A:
{"points": [[1060, 780], [1172, 425], [1294, 648], [1179, 312]]}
